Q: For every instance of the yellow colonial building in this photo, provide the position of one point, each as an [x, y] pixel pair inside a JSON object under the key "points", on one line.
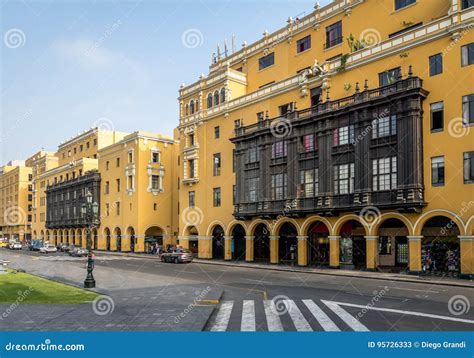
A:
{"points": [[343, 139], [138, 192]]}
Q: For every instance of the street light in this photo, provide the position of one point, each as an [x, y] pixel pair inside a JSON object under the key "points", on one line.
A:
{"points": [[89, 211]]}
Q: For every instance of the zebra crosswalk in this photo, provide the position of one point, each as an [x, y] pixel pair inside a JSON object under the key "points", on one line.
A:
{"points": [[283, 314]]}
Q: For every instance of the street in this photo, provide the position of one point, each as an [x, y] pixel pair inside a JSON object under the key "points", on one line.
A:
{"points": [[265, 300]]}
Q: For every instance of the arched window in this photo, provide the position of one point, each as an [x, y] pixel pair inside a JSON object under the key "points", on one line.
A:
{"points": [[197, 105], [209, 100], [191, 105], [222, 95], [216, 98], [187, 109]]}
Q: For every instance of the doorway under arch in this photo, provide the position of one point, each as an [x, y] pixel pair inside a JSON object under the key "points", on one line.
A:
{"points": [[153, 238], [238, 243], [261, 243], [218, 245]]}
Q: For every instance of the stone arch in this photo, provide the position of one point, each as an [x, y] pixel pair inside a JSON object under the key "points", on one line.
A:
{"points": [[391, 215], [253, 225], [218, 242], [439, 212], [80, 238], [118, 238], [55, 236], [190, 230], [163, 230], [233, 224], [42, 234], [133, 238], [47, 235], [339, 223], [213, 225], [470, 226], [307, 223], [107, 236], [35, 235], [72, 236], [280, 222]]}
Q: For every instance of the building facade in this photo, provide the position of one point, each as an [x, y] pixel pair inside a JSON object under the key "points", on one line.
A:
{"points": [[334, 141]]}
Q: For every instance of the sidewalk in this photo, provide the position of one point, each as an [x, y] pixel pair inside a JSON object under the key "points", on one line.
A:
{"points": [[331, 272]]}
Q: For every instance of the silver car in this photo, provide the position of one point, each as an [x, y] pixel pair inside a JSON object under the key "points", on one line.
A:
{"points": [[177, 256]]}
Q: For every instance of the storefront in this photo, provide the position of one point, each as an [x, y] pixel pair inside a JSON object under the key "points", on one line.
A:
{"points": [[352, 246], [318, 245]]}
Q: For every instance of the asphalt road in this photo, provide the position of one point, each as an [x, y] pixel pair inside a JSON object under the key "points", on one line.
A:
{"points": [[261, 300]]}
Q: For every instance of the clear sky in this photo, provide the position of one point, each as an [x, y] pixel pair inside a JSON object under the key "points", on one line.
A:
{"points": [[68, 65]]}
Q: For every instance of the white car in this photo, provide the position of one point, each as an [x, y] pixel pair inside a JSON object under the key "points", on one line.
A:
{"points": [[16, 246], [48, 249]]}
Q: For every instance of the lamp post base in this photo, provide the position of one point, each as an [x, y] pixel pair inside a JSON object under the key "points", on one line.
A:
{"points": [[89, 282]]}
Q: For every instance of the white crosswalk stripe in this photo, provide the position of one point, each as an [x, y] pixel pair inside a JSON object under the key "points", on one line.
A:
{"points": [[323, 319], [346, 317], [223, 316], [248, 316], [273, 319], [301, 324]]}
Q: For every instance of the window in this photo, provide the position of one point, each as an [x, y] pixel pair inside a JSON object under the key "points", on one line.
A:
{"points": [[117, 162], [384, 173], [107, 187], [399, 4], [260, 116], [406, 29], [209, 100], [130, 182], [118, 185], [75, 150], [155, 157], [279, 186], [217, 164], [344, 179], [155, 206], [469, 167], [186, 109], [388, 77], [468, 109], [30, 177], [216, 197], [251, 190], [217, 132], [216, 98], [467, 55], [334, 34], [107, 165], [95, 142], [222, 95], [437, 116], [436, 64], [192, 199], [437, 171], [266, 61], [234, 160], [343, 135], [191, 106], [309, 143], [315, 96], [191, 140], [118, 207], [253, 155], [466, 3], [155, 182], [303, 44], [384, 126], [279, 149], [191, 168], [88, 145], [284, 109], [309, 182], [130, 156]]}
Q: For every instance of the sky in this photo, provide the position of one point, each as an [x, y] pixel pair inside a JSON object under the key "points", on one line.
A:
{"points": [[67, 66]]}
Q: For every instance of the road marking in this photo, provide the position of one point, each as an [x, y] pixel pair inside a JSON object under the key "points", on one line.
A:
{"points": [[323, 319], [214, 302], [259, 281], [345, 316], [223, 316], [273, 320], [248, 316], [301, 324], [413, 313]]}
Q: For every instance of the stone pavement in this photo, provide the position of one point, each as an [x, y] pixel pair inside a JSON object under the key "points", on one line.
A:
{"points": [[131, 301]]}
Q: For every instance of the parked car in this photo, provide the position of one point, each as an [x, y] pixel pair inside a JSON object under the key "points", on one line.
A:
{"points": [[177, 256], [78, 252], [47, 249], [63, 247], [15, 246], [3, 242], [35, 245]]}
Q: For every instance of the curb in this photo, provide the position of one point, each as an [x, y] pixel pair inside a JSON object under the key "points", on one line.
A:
{"points": [[212, 312], [276, 268]]}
